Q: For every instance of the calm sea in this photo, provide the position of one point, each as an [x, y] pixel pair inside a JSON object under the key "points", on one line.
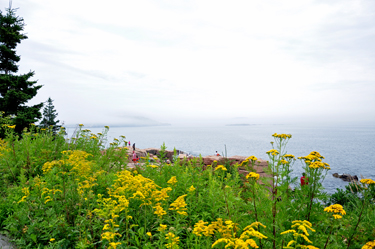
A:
{"points": [[348, 149]]}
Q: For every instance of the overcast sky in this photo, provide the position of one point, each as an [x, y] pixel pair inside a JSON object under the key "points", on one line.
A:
{"points": [[174, 61]]}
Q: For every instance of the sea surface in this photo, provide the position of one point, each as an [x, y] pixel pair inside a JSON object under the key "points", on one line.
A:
{"points": [[348, 149]]}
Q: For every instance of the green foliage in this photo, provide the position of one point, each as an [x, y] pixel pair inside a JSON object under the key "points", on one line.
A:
{"points": [[15, 90], [77, 193]]}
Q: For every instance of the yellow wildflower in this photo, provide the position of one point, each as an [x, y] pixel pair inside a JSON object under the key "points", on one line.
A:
{"points": [[289, 156], [162, 227], [282, 136], [199, 228], [179, 205], [369, 245], [172, 239], [114, 245], [149, 234], [159, 210], [252, 158], [289, 231], [52, 240], [191, 189], [253, 175], [273, 152], [368, 181], [172, 181], [336, 208], [221, 167]]}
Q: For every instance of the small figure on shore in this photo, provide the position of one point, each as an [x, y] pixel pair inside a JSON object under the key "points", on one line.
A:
{"points": [[129, 143], [134, 146], [217, 154], [304, 179], [134, 157]]}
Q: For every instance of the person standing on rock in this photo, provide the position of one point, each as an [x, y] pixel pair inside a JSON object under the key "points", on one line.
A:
{"points": [[134, 146], [304, 180], [217, 154]]}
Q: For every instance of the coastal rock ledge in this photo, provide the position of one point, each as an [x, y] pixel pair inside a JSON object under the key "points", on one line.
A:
{"points": [[346, 177]]}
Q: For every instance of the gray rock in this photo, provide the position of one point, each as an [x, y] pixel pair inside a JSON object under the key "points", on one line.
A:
{"points": [[4, 243]]}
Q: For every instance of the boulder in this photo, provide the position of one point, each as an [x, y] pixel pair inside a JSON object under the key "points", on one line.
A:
{"points": [[346, 177]]}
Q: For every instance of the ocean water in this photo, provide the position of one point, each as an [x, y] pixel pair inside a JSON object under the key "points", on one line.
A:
{"points": [[348, 149]]}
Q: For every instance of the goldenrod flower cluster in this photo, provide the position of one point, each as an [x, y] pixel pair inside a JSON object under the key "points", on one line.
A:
{"points": [[172, 181], [26, 193], [336, 208], [128, 187], [300, 231], [369, 245], [191, 189], [253, 175], [224, 229], [3, 147], [172, 239], [162, 228], [179, 205], [159, 210], [367, 181], [227, 234], [282, 136]]}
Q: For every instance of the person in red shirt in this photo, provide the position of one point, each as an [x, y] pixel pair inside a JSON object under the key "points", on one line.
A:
{"points": [[304, 180]]}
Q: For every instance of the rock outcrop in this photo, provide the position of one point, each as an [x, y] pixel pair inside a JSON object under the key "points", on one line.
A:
{"points": [[346, 177]]}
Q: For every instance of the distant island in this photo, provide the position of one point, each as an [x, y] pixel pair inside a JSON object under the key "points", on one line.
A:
{"points": [[239, 124], [118, 125]]}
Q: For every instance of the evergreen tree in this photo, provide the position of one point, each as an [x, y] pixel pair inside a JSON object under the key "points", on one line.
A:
{"points": [[15, 90], [49, 116]]}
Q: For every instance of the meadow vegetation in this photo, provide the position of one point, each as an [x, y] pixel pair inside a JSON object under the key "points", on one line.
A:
{"points": [[79, 193]]}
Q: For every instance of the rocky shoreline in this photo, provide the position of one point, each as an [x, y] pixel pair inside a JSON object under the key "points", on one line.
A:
{"points": [[259, 166]]}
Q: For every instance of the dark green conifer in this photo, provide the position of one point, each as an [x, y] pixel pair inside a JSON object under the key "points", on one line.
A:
{"points": [[15, 90], [49, 116]]}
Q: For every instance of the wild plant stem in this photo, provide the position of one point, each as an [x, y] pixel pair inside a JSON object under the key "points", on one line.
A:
{"points": [[359, 219], [226, 202], [329, 235], [256, 214]]}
